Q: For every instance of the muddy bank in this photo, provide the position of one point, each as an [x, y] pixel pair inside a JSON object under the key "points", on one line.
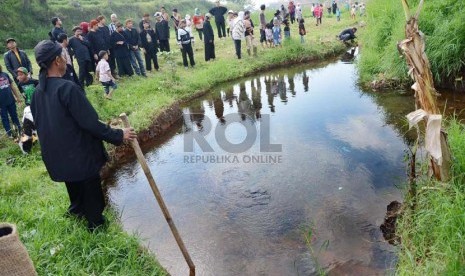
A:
{"points": [[172, 114]]}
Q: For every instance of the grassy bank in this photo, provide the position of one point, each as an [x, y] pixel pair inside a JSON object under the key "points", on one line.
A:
{"points": [[29, 198], [440, 21], [433, 235]]}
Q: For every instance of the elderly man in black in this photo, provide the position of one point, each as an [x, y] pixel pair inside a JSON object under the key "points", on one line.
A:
{"points": [[218, 12], [71, 135], [80, 47], [16, 58]]}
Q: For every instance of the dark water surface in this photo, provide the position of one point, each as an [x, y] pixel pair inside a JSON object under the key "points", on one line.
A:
{"points": [[340, 165]]}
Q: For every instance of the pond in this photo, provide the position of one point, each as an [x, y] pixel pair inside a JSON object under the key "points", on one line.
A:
{"points": [[331, 159]]}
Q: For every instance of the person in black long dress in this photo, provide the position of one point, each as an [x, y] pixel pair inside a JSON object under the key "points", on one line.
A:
{"points": [[209, 38]]}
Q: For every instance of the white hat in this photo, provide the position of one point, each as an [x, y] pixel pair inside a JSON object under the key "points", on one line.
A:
{"points": [[157, 14], [187, 17]]}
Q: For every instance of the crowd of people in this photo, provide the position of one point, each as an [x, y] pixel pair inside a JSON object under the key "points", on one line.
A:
{"points": [[57, 109]]}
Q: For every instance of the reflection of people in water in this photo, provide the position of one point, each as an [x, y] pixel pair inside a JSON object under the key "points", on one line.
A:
{"points": [[348, 56], [281, 86], [257, 98], [219, 107], [197, 114], [244, 106], [229, 96], [305, 80], [269, 92], [290, 79]]}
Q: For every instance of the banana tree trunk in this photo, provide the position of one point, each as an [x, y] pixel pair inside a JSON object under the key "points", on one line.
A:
{"points": [[413, 49]]}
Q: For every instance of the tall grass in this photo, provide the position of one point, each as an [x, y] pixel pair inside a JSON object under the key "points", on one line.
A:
{"points": [[440, 20], [433, 235]]}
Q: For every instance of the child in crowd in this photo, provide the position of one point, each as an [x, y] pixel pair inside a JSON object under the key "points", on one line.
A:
{"points": [[287, 29], [277, 36], [104, 74], [302, 30], [269, 34], [27, 87], [338, 14], [185, 40]]}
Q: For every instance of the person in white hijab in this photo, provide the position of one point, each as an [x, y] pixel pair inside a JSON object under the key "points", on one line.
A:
{"points": [[238, 32]]}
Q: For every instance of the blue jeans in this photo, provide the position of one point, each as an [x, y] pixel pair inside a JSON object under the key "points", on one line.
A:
{"points": [[137, 63], [9, 109]]}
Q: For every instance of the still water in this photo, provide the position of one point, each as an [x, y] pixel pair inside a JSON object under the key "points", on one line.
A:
{"points": [[340, 164]]}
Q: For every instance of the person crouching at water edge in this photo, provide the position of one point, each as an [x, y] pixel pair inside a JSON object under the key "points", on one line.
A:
{"points": [[185, 39], [71, 135]]}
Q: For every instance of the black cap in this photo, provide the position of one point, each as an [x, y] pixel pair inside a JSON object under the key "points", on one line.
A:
{"points": [[175, 10], [10, 39]]}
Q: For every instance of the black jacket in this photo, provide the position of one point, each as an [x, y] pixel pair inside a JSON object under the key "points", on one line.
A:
{"points": [[70, 132], [96, 42], [80, 49], [56, 32], [162, 29], [145, 44], [105, 33], [218, 13], [120, 51], [12, 63], [132, 37], [208, 31]]}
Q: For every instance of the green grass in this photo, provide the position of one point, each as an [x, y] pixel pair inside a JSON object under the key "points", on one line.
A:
{"points": [[433, 235], [62, 246], [440, 20]]}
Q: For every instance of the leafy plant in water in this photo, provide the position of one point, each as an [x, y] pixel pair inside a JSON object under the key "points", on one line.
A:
{"points": [[310, 238]]}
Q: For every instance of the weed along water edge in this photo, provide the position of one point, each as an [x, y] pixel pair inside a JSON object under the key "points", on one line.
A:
{"points": [[332, 160]]}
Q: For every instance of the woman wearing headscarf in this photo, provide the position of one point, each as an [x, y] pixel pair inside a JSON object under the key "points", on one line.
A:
{"points": [[209, 38], [198, 20], [238, 32], [71, 135]]}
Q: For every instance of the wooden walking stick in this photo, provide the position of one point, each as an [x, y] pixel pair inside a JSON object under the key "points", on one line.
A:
{"points": [[161, 202]]}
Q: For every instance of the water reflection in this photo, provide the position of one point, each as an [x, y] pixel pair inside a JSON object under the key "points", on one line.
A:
{"points": [[341, 162]]}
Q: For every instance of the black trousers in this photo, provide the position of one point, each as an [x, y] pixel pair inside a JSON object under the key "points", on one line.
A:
{"points": [[112, 62], [187, 50], [85, 67], [237, 45], [151, 55], [262, 36], [200, 31], [87, 199], [209, 51], [221, 29], [70, 74], [164, 46], [124, 66]]}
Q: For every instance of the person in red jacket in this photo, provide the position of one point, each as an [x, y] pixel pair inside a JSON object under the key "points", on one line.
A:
{"points": [[198, 19]]}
